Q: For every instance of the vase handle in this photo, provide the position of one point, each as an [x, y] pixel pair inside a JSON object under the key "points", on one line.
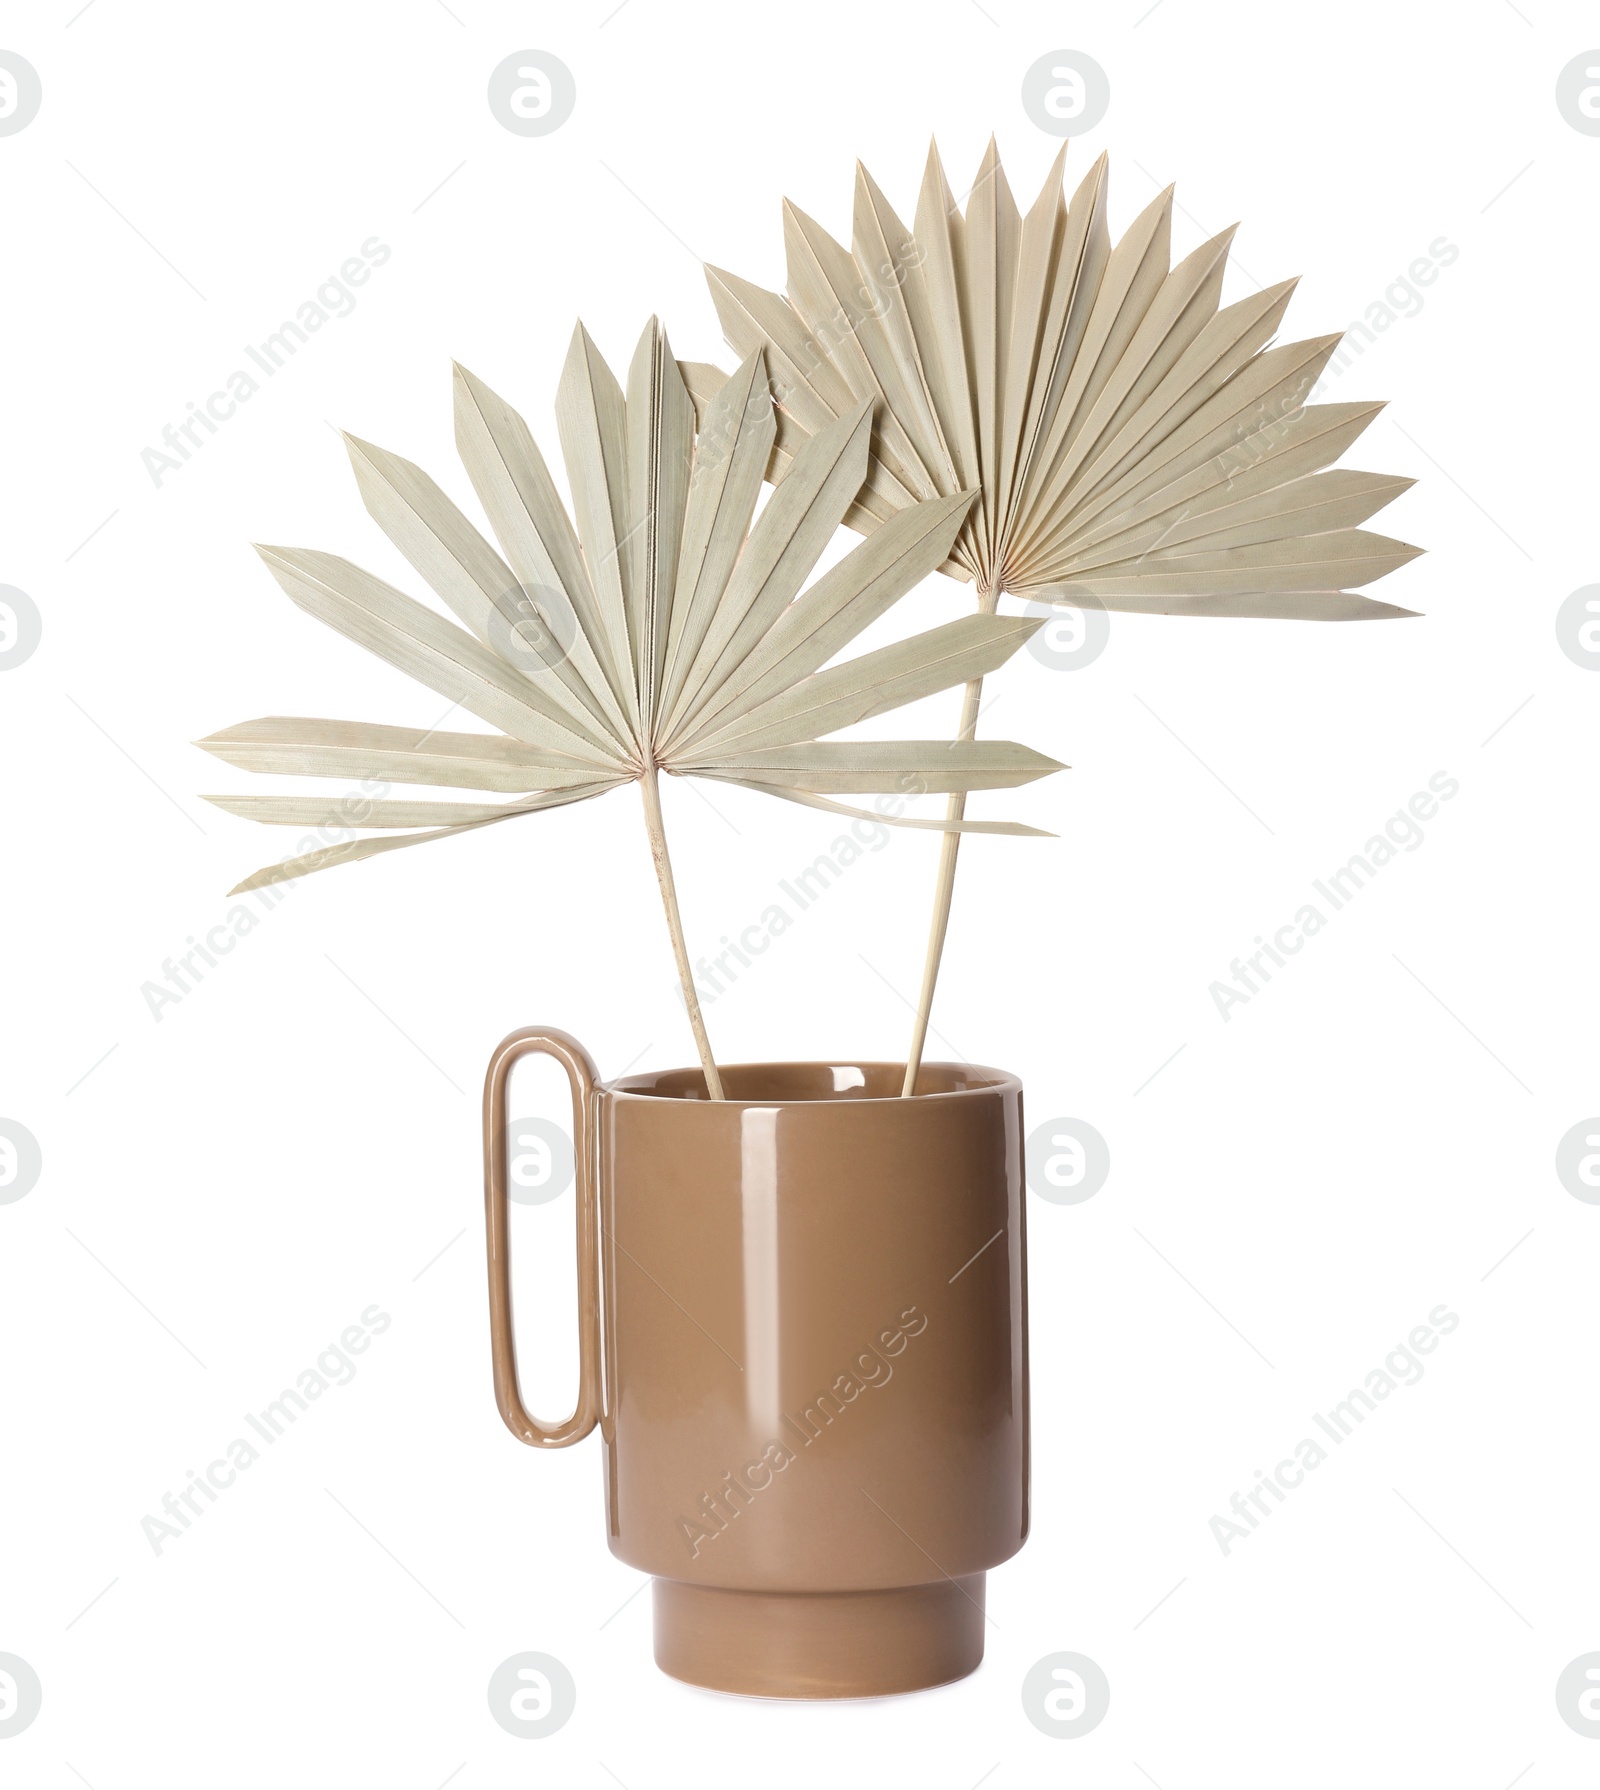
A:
{"points": [[572, 1057]]}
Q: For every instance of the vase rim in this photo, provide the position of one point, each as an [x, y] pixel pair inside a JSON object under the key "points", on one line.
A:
{"points": [[811, 1083]]}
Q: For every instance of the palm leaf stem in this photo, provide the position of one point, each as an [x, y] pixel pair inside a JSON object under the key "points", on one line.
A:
{"points": [[945, 883], [680, 950]]}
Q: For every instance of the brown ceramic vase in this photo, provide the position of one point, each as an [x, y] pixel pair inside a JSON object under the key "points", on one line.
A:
{"points": [[803, 1334]]}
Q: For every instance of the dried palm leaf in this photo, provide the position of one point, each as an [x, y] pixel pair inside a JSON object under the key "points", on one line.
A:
{"points": [[663, 632], [1137, 445]]}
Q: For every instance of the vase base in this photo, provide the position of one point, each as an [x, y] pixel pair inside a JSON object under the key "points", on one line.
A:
{"points": [[819, 1643]]}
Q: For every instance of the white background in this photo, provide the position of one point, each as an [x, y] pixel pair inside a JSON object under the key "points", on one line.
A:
{"points": [[297, 1139]]}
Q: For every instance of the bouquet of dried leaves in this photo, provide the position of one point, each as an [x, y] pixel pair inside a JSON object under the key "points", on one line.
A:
{"points": [[1009, 397]]}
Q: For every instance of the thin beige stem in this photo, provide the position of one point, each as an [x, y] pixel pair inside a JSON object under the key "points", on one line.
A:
{"points": [[680, 950], [944, 886]]}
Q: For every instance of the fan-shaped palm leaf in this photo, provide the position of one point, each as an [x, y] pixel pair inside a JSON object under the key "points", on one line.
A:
{"points": [[1138, 446], [664, 632]]}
